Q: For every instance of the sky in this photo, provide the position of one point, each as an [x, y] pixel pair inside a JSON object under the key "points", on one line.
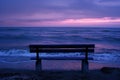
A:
{"points": [[61, 13]]}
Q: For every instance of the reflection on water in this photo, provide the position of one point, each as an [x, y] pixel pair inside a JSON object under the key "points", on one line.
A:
{"points": [[72, 65], [55, 65]]}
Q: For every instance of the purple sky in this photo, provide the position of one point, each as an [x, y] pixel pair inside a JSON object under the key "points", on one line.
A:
{"points": [[60, 13]]}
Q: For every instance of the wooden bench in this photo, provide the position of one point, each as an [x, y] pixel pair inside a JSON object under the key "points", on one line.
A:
{"points": [[63, 48]]}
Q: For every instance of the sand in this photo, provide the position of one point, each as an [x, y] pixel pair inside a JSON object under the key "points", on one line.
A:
{"points": [[105, 73], [55, 70]]}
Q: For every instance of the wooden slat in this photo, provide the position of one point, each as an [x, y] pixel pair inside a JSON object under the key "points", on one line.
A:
{"points": [[62, 58], [49, 50], [63, 46]]}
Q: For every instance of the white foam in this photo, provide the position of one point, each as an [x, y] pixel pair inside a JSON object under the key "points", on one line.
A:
{"points": [[99, 57]]}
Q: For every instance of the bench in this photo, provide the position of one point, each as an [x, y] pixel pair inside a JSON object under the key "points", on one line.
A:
{"points": [[63, 48]]}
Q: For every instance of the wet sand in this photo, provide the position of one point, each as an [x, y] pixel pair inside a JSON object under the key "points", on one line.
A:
{"points": [[56, 70], [27, 64], [102, 74]]}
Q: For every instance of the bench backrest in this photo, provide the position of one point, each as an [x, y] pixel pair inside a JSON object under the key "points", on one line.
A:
{"points": [[62, 48]]}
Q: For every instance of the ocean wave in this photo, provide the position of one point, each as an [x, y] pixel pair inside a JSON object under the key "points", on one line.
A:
{"points": [[60, 34], [10, 29], [112, 38], [15, 36], [14, 52], [106, 31], [113, 56], [19, 37], [105, 57]]}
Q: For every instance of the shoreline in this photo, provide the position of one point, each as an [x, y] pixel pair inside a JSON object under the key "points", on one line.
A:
{"points": [[22, 68], [26, 63], [105, 73], [56, 70]]}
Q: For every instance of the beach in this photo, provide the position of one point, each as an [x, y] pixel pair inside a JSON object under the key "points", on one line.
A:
{"points": [[57, 70], [102, 74], [25, 62]]}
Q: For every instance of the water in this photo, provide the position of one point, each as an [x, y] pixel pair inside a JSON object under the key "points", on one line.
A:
{"points": [[14, 41]]}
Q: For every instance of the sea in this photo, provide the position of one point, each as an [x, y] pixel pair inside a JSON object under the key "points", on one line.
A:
{"points": [[15, 41]]}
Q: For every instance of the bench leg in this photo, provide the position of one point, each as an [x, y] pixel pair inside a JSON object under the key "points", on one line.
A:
{"points": [[38, 65], [85, 66]]}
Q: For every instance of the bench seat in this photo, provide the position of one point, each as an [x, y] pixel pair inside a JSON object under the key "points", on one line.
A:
{"points": [[61, 58]]}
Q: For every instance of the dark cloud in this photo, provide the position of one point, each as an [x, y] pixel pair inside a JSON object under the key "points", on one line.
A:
{"points": [[36, 20], [65, 8]]}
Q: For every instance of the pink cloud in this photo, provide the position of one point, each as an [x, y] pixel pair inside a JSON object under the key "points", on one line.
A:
{"points": [[65, 22], [92, 20]]}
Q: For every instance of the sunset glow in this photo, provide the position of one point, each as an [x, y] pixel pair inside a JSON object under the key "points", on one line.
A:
{"points": [[60, 13], [92, 21]]}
